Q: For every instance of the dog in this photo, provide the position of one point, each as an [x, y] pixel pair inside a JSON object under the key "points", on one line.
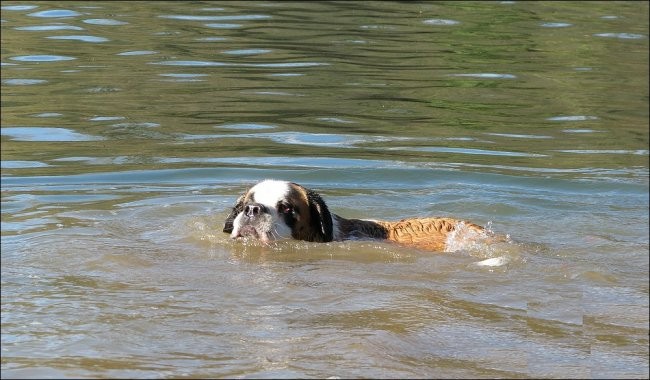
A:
{"points": [[276, 210]]}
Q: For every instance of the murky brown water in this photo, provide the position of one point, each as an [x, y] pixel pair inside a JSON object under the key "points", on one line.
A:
{"points": [[129, 129]]}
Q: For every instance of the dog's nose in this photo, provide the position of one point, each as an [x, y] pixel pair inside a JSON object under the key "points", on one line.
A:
{"points": [[253, 209]]}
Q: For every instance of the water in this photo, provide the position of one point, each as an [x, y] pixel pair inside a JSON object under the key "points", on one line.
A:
{"points": [[129, 129]]}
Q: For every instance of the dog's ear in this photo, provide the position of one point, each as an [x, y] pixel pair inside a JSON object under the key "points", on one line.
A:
{"points": [[239, 207], [320, 218]]}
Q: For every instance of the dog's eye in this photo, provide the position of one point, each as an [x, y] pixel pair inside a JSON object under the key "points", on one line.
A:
{"points": [[284, 208]]}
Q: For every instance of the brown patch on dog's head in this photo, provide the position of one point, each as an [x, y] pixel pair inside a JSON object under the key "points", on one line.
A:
{"points": [[315, 221]]}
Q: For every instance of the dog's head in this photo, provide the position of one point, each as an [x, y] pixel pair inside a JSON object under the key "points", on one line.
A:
{"points": [[274, 210]]}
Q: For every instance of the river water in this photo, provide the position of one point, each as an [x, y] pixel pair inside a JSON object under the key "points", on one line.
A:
{"points": [[130, 128]]}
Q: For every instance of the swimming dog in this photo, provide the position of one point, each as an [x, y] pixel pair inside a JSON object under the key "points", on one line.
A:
{"points": [[275, 210]]}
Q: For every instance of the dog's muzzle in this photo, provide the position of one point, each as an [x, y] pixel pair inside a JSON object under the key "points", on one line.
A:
{"points": [[254, 221]]}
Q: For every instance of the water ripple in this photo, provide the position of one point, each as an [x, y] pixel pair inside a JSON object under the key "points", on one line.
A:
{"points": [[79, 38], [18, 7], [624, 36], [640, 152], [486, 152], [439, 21], [223, 26], [485, 76], [212, 39], [268, 65], [190, 63], [286, 74], [22, 164], [286, 64], [48, 114], [556, 25], [309, 162], [217, 18], [300, 138], [49, 27], [45, 134], [247, 51], [138, 52], [183, 77], [246, 126], [23, 82], [106, 118], [518, 136], [55, 13], [335, 120], [136, 125], [104, 21], [580, 131], [572, 118], [41, 58]]}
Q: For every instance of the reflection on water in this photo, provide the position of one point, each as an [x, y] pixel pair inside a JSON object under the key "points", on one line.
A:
{"points": [[41, 58], [128, 132], [45, 134]]}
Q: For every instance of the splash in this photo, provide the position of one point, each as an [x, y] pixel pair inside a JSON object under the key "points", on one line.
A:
{"points": [[495, 250]]}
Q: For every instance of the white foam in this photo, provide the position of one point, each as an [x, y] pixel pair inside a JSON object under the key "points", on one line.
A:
{"points": [[463, 238], [493, 262]]}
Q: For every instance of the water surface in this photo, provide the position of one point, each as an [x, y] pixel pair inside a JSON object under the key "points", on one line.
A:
{"points": [[129, 129]]}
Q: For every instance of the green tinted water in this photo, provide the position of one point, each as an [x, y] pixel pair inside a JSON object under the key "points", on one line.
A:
{"points": [[128, 130]]}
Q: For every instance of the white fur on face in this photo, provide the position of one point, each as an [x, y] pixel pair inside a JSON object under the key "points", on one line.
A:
{"points": [[268, 193], [236, 226]]}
